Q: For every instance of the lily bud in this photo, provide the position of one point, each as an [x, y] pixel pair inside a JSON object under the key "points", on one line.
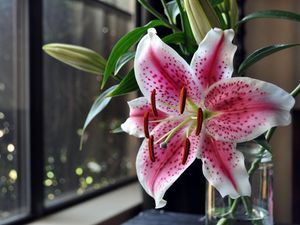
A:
{"points": [[202, 17], [78, 57]]}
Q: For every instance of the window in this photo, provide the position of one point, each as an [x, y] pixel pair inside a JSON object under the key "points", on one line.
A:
{"points": [[14, 196], [43, 108], [68, 94]]}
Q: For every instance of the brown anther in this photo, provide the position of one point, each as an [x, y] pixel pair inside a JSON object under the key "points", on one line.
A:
{"points": [[146, 123], [199, 121], [186, 151], [153, 102], [182, 100], [151, 148]]}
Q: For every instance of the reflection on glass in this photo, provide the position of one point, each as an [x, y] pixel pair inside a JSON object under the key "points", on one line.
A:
{"points": [[68, 96], [13, 189], [126, 5]]}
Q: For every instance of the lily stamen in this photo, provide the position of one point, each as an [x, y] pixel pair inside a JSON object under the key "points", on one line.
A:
{"points": [[151, 148], [146, 123], [199, 121], [153, 102], [186, 151], [182, 100]]}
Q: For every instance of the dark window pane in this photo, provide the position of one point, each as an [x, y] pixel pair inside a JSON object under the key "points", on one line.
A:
{"points": [[13, 112], [68, 96]]}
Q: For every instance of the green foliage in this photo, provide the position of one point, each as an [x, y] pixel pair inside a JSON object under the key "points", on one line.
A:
{"points": [[125, 58], [263, 142], [189, 40], [175, 38], [171, 10], [272, 14], [99, 104], [78, 57], [128, 84], [155, 13], [260, 54], [123, 45]]}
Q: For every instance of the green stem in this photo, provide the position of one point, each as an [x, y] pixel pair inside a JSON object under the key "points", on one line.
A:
{"points": [[234, 206], [247, 204], [296, 91]]}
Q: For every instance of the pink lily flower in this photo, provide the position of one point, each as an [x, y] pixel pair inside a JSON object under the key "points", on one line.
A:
{"points": [[198, 110]]}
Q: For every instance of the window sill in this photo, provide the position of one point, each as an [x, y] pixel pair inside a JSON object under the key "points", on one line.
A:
{"points": [[107, 207]]}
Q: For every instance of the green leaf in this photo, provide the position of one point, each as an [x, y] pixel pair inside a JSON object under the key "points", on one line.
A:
{"points": [[128, 84], [216, 2], [261, 140], [123, 45], [273, 14], [155, 13], [99, 104], [78, 57], [175, 38], [173, 10], [117, 130], [260, 54], [125, 58]]}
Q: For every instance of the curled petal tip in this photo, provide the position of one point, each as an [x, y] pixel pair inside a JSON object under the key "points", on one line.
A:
{"points": [[152, 32]]}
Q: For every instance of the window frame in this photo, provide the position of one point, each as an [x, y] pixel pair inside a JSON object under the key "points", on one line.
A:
{"points": [[33, 160]]}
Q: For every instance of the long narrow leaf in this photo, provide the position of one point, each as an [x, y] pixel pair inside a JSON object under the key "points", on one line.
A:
{"points": [[175, 38], [260, 54], [273, 14], [155, 13], [76, 56], [128, 84], [99, 104], [171, 10], [123, 46], [125, 58]]}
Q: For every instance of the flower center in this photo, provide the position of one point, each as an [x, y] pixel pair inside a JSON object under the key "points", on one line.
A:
{"points": [[164, 139]]}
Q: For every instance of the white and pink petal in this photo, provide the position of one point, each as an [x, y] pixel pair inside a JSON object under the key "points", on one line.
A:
{"points": [[213, 61], [156, 177], [158, 66], [134, 125], [224, 168], [246, 108]]}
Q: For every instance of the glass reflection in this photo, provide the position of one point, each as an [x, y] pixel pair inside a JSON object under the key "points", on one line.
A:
{"points": [[68, 95]]}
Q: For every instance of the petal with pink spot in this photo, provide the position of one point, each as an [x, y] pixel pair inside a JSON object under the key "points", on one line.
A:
{"points": [[246, 108], [134, 125], [159, 67], [156, 177], [224, 168], [213, 61]]}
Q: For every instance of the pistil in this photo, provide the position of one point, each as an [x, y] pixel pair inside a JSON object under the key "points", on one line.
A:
{"points": [[186, 151], [199, 121], [153, 102], [151, 148], [172, 132], [182, 100], [146, 123]]}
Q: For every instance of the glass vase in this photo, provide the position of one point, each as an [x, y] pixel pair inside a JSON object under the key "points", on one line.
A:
{"points": [[254, 210]]}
